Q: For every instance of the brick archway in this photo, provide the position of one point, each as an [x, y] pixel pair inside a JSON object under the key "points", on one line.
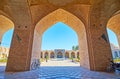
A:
{"points": [[114, 24], [52, 55], [66, 54], [94, 13], [45, 54], [61, 15], [5, 25], [59, 55], [73, 54]]}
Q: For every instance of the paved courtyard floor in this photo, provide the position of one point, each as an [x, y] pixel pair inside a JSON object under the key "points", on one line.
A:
{"points": [[60, 62], [58, 71]]}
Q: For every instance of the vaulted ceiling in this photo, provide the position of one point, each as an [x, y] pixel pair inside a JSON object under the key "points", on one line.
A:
{"points": [[59, 2], [38, 9]]}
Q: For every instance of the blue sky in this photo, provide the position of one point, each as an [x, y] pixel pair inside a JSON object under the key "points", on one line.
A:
{"points": [[57, 36], [112, 37], [6, 39]]}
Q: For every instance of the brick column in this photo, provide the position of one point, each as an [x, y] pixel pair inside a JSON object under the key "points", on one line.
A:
{"points": [[98, 44], [43, 55], [19, 58], [75, 54], [36, 48], [69, 54], [49, 55]]}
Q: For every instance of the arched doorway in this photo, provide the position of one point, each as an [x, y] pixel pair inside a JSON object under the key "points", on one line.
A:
{"points": [[6, 33], [66, 54], [57, 16], [74, 22], [45, 54], [5, 25], [113, 26], [59, 55], [73, 54], [52, 55]]}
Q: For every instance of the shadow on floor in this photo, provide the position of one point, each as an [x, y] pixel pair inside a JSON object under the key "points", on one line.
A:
{"points": [[70, 72]]}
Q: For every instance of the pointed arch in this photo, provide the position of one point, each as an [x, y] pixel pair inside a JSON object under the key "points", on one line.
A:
{"points": [[114, 25], [71, 20], [5, 25], [56, 16]]}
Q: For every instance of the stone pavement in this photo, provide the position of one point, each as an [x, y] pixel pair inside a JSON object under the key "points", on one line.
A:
{"points": [[60, 62], [58, 72]]}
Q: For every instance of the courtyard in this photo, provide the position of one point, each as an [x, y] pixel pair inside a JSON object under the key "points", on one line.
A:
{"points": [[58, 69]]}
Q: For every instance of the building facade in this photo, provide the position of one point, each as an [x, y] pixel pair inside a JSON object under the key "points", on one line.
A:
{"points": [[60, 53], [115, 51], [4, 52]]}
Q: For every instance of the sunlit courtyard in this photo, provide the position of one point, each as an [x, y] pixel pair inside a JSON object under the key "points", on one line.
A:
{"points": [[60, 62]]}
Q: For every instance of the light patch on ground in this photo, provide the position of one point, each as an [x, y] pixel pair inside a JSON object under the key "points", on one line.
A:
{"points": [[60, 62]]}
